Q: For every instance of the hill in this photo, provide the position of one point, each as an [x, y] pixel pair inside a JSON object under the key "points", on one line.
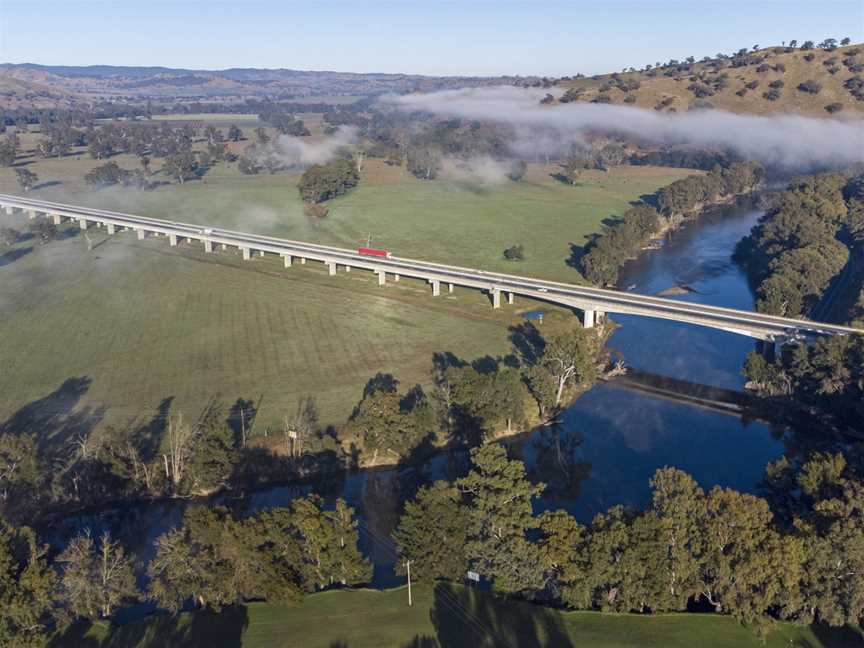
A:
{"points": [[738, 83], [103, 82]]}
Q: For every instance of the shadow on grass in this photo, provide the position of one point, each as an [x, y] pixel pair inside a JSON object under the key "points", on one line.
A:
{"points": [[204, 629], [472, 618], [13, 255]]}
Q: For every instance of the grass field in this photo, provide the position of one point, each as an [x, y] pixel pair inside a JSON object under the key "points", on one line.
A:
{"points": [[144, 322], [447, 616]]}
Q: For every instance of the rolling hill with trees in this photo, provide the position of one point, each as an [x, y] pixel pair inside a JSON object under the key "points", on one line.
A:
{"points": [[816, 80]]}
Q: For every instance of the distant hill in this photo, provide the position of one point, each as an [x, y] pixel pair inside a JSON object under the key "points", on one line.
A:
{"points": [[738, 84], [104, 82]]}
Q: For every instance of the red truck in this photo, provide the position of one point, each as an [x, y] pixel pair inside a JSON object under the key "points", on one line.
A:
{"points": [[367, 251]]}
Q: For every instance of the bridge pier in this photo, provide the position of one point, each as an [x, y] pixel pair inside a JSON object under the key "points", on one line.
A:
{"points": [[140, 233], [246, 254], [496, 298], [396, 278], [56, 218], [208, 245], [9, 209], [302, 260], [331, 268], [31, 214], [261, 253], [111, 228], [436, 287], [286, 258], [172, 240], [510, 298], [347, 268], [82, 223], [382, 277], [450, 288], [224, 246], [588, 318]]}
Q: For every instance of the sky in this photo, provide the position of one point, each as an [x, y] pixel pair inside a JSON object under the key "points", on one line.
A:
{"points": [[471, 37]]}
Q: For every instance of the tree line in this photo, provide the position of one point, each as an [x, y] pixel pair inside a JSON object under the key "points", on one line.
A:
{"points": [[604, 255], [225, 447], [797, 553], [212, 559], [800, 244]]}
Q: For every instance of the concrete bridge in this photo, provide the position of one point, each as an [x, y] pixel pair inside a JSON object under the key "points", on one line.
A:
{"points": [[593, 303]]}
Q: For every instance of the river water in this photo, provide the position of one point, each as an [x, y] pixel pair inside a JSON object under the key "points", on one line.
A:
{"points": [[610, 441]]}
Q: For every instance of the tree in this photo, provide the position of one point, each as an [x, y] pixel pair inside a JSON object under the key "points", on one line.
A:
{"points": [[322, 182], [834, 107], [424, 163], [248, 166], [328, 540], [570, 359], [215, 559], [386, 422], [26, 588], [182, 167], [514, 253], [810, 86], [432, 533], [680, 508], [42, 229], [178, 445], [26, 179], [234, 133], [571, 168], [501, 514], [563, 554], [96, 578], [105, 175], [9, 236], [517, 170]]}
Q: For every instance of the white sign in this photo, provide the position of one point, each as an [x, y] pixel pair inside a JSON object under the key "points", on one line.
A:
{"points": [[292, 434], [474, 576]]}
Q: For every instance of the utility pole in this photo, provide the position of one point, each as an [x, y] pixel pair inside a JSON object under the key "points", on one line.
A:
{"points": [[408, 569]]}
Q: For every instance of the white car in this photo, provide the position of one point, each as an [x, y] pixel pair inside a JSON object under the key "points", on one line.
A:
{"points": [[207, 231], [542, 290]]}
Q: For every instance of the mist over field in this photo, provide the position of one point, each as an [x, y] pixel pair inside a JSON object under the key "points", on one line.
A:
{"points": [[786, 141], [292, 152]]}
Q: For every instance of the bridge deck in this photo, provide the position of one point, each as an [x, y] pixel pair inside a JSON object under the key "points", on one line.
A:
{"points": [[586, 298]]}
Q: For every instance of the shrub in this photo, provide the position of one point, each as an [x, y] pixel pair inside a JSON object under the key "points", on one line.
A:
{"points": [[514, 253], [629, 99], [779, 83], [834, 107], [809, 56], [700, 91], [772, 95], [810, 86]]}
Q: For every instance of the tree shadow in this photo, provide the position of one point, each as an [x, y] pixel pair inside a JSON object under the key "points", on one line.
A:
{"points": [[52, 419], [380, 382], [203, 628], [528, 341], [13, 255], [46, 185], [469, 617], [842, 636], [421, 641]]}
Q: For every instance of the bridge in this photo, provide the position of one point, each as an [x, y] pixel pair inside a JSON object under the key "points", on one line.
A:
{"points": [[592, 302]]}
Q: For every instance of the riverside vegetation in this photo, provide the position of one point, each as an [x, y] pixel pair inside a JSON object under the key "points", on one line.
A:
{"points": [[791, 555], [802, 244]]}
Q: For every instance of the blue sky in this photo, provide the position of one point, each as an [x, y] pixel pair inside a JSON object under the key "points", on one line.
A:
{"points": [[427, 37]]}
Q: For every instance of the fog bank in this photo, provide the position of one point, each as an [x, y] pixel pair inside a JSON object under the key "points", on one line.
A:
{"points": [[787, 141]]}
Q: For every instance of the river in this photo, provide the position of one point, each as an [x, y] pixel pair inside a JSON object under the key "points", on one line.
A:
{"points": [[610, 441]]}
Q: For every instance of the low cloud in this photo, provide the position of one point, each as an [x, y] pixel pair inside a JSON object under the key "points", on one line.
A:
{"points": [[294, 152], [788, 141], [481, 170]]}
